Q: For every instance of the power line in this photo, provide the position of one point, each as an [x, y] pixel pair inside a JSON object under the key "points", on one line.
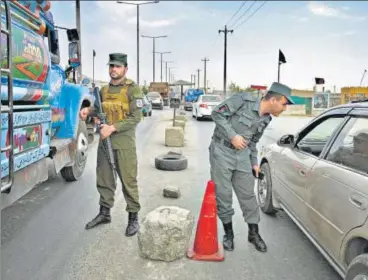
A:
{"points": [[241, 6], [244, 21], [246, 11]]}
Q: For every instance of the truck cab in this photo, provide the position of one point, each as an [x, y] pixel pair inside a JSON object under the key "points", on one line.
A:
{"points": [[41, 132]]}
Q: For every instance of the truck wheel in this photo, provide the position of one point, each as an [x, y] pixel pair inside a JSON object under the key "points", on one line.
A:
{"points": [[73, 173], [264, 191], [171, 162], [358, 268]]}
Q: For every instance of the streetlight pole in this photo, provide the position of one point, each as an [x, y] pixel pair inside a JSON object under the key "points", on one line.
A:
{"points": [[162, 53], [137, 4], [154, 51], [166, 62]]}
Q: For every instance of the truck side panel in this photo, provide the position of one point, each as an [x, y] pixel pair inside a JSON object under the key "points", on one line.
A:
{"points": [[31, 138]]}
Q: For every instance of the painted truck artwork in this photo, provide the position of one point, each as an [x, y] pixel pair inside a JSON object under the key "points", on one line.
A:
{"points": [[30, 60]]}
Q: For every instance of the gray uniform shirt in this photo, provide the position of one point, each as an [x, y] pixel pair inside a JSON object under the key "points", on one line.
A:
{"points": [[239, 115]]}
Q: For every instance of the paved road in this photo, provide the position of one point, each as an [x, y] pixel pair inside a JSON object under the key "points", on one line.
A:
{"points": [[41, 231]]}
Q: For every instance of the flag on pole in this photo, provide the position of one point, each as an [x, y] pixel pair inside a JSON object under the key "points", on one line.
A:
{"points": [[282, 58], [319, 81]]}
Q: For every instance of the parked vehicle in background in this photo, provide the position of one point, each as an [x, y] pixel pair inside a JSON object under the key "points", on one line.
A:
{"points": [[41, 132], [319, 177], [163, 89], [156, 100], [147, 107], [191, 95], [203, 105]]}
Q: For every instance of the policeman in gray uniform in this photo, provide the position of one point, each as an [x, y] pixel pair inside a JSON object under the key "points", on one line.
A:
{"points": [[240, 121]]}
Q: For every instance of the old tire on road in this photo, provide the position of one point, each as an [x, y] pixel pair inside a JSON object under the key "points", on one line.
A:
{"points": [[358, 268], [171, 162], [74, 172], [264, 191]]}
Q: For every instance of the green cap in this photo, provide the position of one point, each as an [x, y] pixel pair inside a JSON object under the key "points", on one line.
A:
{"points": [[118, 59], [282, 90]]}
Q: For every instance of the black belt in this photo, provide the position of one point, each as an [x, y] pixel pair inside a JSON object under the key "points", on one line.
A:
{"points": [[223, 142]]}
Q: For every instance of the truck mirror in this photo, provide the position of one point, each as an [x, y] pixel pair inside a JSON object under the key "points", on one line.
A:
{"points": [[74, 54], [72, 35]]}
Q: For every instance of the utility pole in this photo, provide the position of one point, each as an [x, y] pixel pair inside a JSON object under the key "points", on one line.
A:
{"points": [[205, 72], [198, 70], [225, 31], [154, 51], [78, 22], [194, 80], [137, 4], [166, 62], [162, 53]]}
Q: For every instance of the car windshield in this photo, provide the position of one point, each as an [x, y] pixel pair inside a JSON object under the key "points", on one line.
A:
{"points": [[211, 98], [153, 94]]}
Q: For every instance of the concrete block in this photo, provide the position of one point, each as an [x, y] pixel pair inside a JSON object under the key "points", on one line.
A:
{"points": [[174, 137], [178, 123], [181, 118], [164, 233], [171, 192]]}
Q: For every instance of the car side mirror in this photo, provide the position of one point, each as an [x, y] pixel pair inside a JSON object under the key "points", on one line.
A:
{"points": [[287, 140]]}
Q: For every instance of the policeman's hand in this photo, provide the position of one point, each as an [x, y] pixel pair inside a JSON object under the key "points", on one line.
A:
{"points": [[106, 130], [83, 114], [96, 120], [256, 169], [239, 142]]}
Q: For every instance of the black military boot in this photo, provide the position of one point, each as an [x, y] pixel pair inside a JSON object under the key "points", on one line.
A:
{"points": [[102, 218], [228, 241], [133, 224], [255, 238]]}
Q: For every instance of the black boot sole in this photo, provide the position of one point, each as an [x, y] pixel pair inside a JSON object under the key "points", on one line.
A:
{"points": [[228, 248], [263, 250], [99, 223], [131, 234]]}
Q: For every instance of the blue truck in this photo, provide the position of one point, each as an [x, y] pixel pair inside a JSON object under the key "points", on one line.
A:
{"points": [[41, 132], [191, 95]]}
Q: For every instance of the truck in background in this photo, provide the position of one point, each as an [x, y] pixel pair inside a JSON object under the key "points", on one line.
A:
{"points": [[162, 88], [191, 95], [41, 132]]}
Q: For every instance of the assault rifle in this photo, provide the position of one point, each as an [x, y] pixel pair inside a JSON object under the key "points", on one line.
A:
{"points": [[106, 143]]}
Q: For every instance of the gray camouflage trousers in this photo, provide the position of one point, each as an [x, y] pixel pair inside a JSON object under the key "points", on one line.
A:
{"points": [[231, 170]]}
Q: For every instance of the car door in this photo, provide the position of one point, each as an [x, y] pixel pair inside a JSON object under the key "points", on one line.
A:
{"points": [[337, 193], [295, 164]]}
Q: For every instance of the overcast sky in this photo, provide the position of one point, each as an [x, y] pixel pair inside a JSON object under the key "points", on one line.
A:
{"points": [[319, 39]]}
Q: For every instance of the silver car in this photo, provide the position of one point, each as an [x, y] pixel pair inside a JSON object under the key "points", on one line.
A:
{"points": [[319, 177], [156, 100]]}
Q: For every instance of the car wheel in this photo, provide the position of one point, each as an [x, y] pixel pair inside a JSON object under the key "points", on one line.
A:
{"points": [[358, 268], [150, 113], [264, 190]]}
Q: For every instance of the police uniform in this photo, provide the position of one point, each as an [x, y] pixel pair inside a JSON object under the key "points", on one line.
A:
{"points": [[122, 105], [231, 169]]}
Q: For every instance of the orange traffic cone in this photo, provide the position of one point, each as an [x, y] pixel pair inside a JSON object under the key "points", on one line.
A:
{"points": [[206, 246]]}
